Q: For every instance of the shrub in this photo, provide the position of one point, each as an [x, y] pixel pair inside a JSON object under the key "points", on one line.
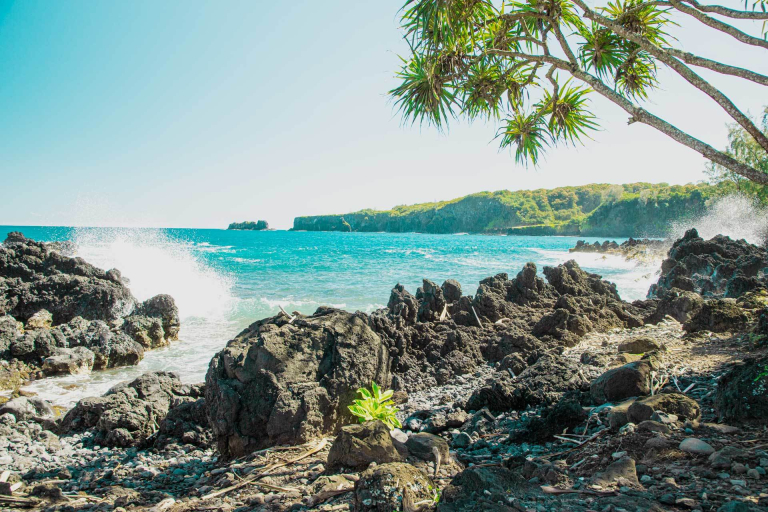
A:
{"points": [[376, 405]]}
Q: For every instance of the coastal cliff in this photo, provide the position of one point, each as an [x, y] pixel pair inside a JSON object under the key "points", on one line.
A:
{"points": [[637, 209], [249, 225]]}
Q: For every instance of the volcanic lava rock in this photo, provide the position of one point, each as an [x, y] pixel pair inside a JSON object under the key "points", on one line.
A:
{"points": [[626, 381], [542, 383], [682, 406], [129, 412], [75, 314], [70, 361], [154, 323], [392, 486], [357, 446], [278, 383], [481, 488], [742, 393], [35, 276], [679, 304], [186, 422], [719, 315], [719, 267], [451, 290]]}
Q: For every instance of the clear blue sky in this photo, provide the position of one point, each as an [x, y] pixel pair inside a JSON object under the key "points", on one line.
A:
{"points": [[195, 114]]}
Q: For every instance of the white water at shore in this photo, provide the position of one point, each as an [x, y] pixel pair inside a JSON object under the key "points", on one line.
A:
{"points": [[735, 216], [152, 263]]}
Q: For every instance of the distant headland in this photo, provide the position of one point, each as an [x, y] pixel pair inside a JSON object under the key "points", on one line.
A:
{"points": [[249, 225], [630, 210]]}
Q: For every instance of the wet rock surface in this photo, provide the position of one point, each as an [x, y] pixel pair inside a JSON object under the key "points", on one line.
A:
{"points": [[61, 315], [719, 267]]}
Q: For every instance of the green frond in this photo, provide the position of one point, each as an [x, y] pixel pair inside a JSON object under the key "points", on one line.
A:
{"points": [[528, 134], [636, 76], [445, 22], [601, 50], [423, 95], [569, 116], [639, 17], [483, 90]]}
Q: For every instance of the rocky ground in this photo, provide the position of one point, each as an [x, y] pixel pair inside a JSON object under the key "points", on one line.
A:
{"points": [[532, 395]]}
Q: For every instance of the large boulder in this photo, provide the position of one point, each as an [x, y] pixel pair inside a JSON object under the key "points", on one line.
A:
{"points": [[719, 267], [393, 486], [481, 488], [285, 383], [37, 276], [682, 406], [719, 315], [742, 393], [69, 361], [357, 446], [542, 383], [632, 379], [28, 409], [129, 413], [676, 303], [186, 422], [154, 323]]}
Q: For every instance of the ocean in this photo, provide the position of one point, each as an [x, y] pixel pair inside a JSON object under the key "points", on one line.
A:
{"points": [[224, 280]]}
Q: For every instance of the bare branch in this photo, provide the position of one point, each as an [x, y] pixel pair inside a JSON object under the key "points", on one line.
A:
{"points": [[719, 25], [725, 69], [729, 13]]}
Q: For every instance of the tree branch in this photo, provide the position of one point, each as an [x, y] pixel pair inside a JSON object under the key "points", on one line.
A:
{"points": [[725, 69], [641, 115], [684, 71], [729, 13], [719, 25]]}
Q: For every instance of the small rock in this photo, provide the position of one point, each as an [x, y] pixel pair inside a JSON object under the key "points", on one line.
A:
{"points": [[753, 474], [696, 446]]}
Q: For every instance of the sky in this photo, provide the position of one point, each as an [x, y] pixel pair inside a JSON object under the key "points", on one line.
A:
{"points": [[196, 114]]}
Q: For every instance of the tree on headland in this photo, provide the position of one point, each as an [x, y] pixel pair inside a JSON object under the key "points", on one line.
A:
{"points": [[531, 65], [743, 148]]}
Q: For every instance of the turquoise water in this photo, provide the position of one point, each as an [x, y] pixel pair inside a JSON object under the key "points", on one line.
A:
{"points": [[224, 280]]}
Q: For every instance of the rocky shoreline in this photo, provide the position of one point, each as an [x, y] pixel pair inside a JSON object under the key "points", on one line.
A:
{"points": [[533, 394], [61, 315]]}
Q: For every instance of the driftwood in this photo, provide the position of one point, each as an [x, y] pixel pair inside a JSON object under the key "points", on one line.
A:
{"points": [[291, 317], [266, 471], [479, 323], [548, 489], [327, 494], [444, 314]]}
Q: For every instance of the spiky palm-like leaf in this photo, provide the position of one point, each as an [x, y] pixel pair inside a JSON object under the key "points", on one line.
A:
{"points": [[528, 134], [422, 94], [569, 117], [601, 50], [375, 405]]}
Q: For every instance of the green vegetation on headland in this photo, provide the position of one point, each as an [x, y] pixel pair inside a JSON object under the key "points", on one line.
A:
{"points": [[636, 209], [250, 225]]}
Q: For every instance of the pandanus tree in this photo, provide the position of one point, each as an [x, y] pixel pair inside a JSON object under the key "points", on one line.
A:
{"points": [[532, 64]]}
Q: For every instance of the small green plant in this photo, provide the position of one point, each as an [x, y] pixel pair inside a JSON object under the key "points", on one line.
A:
{"points": [[762, 374], [435, 494], [376, 405]]}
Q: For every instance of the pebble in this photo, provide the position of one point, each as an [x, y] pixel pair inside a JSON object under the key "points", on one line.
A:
{"points": [[753, 474], [696, 446]]}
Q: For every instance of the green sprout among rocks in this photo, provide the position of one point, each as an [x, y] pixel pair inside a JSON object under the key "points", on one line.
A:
{"points": [[376, 405]]}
